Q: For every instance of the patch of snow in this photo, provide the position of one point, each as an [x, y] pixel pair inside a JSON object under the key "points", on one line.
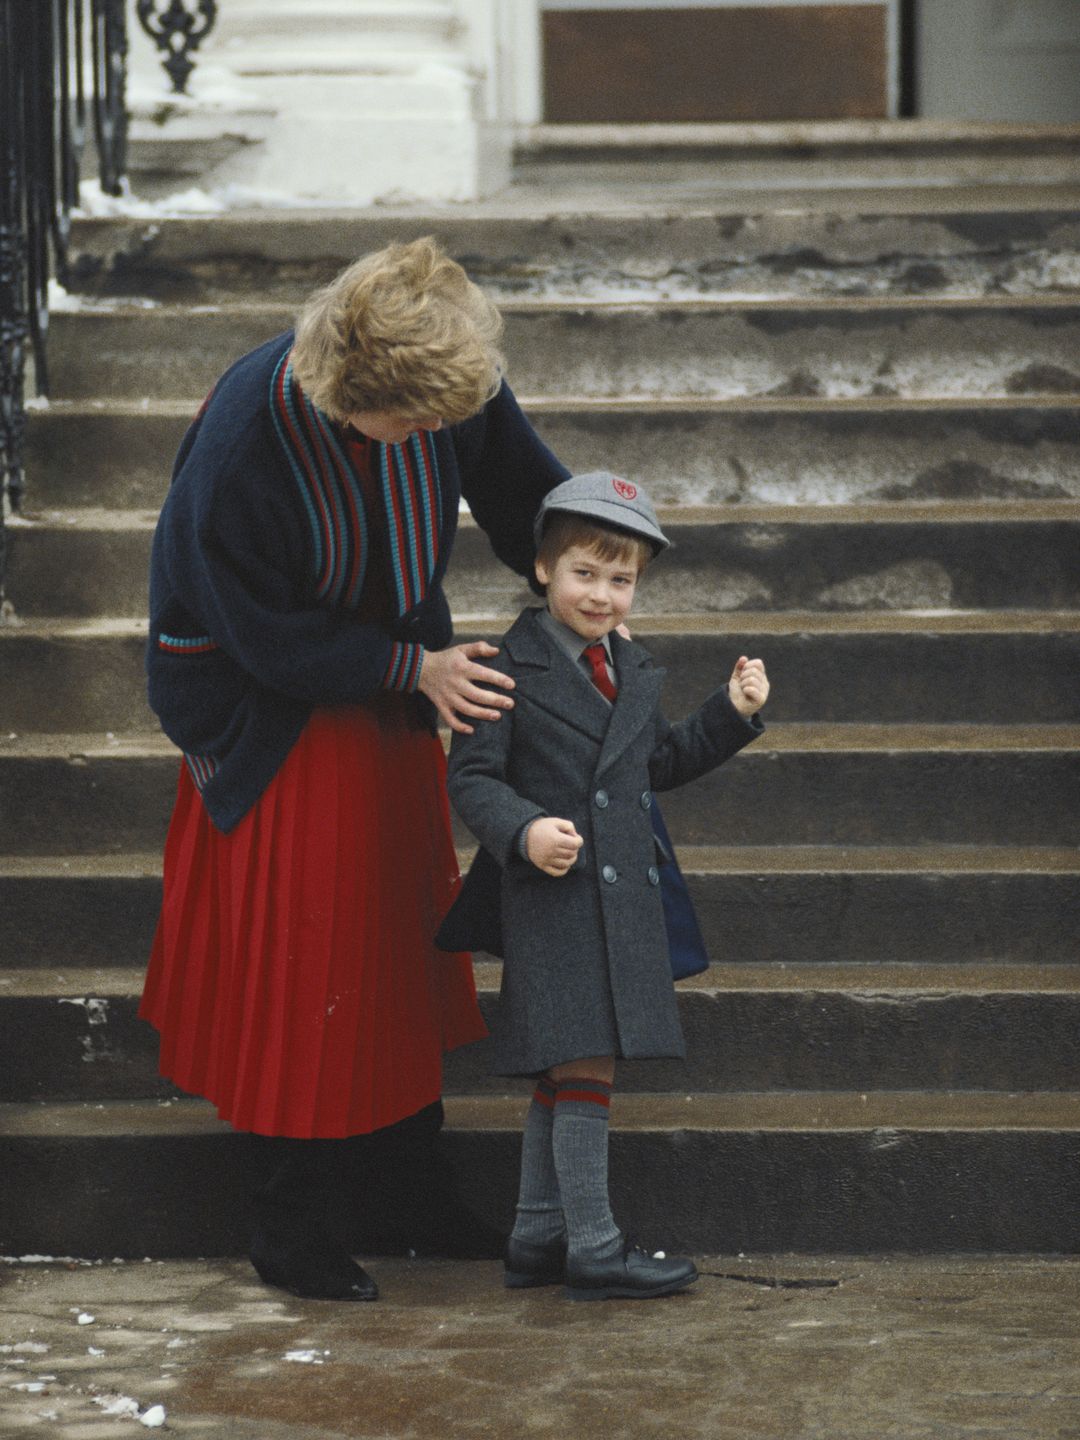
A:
{"points": [[117, 1405], [93, 1350], [60, 299], [85, 1319], [213, 87], [306, 1357], [25, 1347], [97, 1010], [247, 197], [153, 1417], [31, 1387], [95, 203], [42, 1259], [36, 402]]}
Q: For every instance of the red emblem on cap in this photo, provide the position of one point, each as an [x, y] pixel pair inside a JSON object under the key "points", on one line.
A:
{"points": [[624, 488]]}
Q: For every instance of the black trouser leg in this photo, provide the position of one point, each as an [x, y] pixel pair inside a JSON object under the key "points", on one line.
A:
{"points": [[408, 1196], [292, 1245]]}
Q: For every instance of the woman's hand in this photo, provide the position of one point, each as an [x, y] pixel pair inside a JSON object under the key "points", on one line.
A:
{"points": [[748, 686], [552, 844], [454, 682]]}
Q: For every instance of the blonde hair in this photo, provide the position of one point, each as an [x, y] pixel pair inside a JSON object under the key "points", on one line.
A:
{"points": [[565, 529], [402, 330]]}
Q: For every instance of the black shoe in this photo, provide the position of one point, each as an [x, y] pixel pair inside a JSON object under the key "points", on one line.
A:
{"points": [[528, 1264], [630, 1274], [311, 1266]]}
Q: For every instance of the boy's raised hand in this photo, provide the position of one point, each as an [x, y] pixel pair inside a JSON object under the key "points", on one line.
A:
{"points": [[552, 844], [748, 686]]}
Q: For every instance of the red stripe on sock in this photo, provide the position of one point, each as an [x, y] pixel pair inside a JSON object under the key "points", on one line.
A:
{"points": [[595, 1097], [544, 1097]]}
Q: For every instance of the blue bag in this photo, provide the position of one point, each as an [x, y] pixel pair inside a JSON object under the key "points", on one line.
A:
{"points": [[685, 943]]}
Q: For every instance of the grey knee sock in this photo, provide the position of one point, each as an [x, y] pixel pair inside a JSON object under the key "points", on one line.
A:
{"points": [[539, 1218], [580, 1148]]}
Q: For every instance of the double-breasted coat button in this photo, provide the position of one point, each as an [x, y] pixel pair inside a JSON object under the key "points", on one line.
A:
{"points": [[646, 800], [610, 874], [601, 798], [654, 875]]}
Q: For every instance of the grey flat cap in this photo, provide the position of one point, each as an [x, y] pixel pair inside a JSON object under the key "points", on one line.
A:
{"points": [[600, 495]]}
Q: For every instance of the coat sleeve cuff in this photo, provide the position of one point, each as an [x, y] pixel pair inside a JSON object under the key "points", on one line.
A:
{"points": [[753, 723]]}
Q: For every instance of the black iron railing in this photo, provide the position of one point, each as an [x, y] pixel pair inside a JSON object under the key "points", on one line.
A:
{"points": [[62, 70], [177, 28]]}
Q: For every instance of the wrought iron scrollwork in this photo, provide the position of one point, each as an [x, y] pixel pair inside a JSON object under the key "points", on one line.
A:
{"points": [[177, 27], [43, 115]]}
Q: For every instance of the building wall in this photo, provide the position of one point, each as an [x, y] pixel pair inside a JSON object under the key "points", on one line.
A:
{"points": [[999, 59]]}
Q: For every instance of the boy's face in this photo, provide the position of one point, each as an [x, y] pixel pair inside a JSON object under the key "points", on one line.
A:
{"points": [[590, 595]]}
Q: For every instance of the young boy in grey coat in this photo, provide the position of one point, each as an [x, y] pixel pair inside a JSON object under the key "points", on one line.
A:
{"points": [[558, 793]]}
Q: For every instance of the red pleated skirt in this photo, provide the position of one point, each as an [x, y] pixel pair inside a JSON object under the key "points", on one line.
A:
{"points": [[294, 979]]}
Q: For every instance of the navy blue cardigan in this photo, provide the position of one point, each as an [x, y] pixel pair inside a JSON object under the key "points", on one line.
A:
{"points": [[247, 634]]}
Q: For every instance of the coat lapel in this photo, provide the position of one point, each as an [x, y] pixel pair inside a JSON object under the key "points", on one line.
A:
{"points": [[551, 681], [640, 683]]}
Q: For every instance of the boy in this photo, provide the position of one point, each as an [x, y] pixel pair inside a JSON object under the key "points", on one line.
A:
{"points": [[558, 792]]}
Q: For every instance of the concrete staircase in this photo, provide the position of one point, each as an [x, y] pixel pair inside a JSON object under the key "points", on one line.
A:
{"points": [[863, 427]]}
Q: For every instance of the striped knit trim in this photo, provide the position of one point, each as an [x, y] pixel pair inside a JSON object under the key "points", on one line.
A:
{"points": [[576, 1090], [403, 672], [409, 475], [545, 1092], [179, 645], [203, 768], [329, 488]]}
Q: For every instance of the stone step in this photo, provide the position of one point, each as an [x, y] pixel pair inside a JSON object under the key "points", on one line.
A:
{"points": [[1013, 786], [75, 1034], [807, 905], [118, 454], [67, 676], [1019, 555], [900, 243], [909, 152], [703, 348], [844, 1172]]}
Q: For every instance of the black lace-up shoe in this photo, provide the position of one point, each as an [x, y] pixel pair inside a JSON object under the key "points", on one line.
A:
{"points": [[630, 1274], [528, 1264]]}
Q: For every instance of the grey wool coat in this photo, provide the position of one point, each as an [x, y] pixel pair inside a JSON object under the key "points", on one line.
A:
{"points": [[586, 969]]}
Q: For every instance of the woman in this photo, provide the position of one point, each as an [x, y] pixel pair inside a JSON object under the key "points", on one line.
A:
{"points": [[300, 656]]}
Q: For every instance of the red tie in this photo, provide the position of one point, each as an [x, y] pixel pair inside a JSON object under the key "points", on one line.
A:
{"points": [[597, 658]]}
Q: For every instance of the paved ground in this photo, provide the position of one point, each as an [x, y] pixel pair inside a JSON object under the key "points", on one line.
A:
{"points": [[762, 1349]]}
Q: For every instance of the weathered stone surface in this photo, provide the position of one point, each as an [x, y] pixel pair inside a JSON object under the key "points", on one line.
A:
{"points": [[707, 349], [778, 906], [81, 564], [76, 1036], [110, 799], [925, 1171], [764, 1345], [766, 452], [723, 246], [89, 677]]}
